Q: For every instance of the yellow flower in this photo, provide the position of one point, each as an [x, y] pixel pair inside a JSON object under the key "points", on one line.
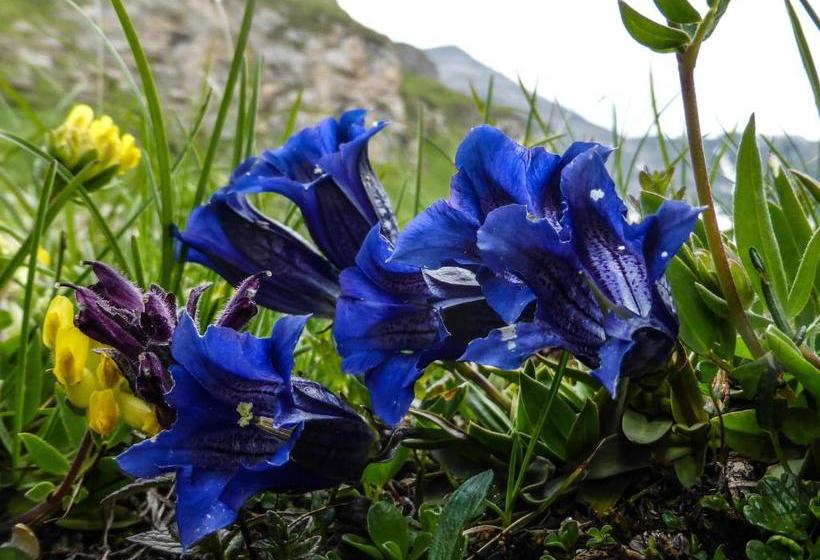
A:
{"points": [[74, 141], [60, 312], [80, 393], [103, 412], [70, 354], [43, 257], [108, 374], [137, 413]]}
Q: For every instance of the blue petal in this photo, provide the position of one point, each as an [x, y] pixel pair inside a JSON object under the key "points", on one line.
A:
{"points": [[439, 236], [601, 236], [547, 200], [249, 374], [665, 233], [492, 172], [199, 510], [506, 294], [405, 282], [234, 240], [612, 358], [511, 243], [391, 387], [507, 347], [334, 222]]}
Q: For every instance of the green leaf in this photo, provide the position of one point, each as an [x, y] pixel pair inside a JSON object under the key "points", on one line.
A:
{"points": [[362, 545], [698, 325], [464, 504], [776, 548], [44, 455], [796, 218], [801, 425], [651, 34], [805, 278], [558, 424], [585, 430], [642, 430], [386, 524], [753, 225], [780, 505], [810, 184], [678, 11], [744, 435], [378, 474], [40, 491], [790, 357]]}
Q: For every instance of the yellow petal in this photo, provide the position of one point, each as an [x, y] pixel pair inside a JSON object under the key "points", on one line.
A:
{"points": [[80, 393], [103, 412], [43, 257], [137, 413], [80, 116], [70, 354], [108, 374], [60, 312]]}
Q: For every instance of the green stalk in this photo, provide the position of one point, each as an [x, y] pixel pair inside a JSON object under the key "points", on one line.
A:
{"points": [[221, 116], [163, 152], [419, 158], [25, 326], [539, 426], [686, 71]]}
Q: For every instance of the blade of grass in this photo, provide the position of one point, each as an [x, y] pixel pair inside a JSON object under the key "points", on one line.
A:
{"points": [[419, 158], [657, 119], [136, 257], [293, 113], [488, 101], [253, 108], [239, 133], [219, 123], [191, 136], [28, 297], [805, 52], [161, 147]]}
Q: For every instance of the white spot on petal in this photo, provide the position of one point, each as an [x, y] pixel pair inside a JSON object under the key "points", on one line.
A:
{"points": [[664, 254], [511, 345], [317, 170], [508, 333], [596, 194], [621, 248]]}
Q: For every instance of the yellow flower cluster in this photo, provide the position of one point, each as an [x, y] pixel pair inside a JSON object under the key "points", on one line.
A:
{"points": [[92, 380], [82, 137]]}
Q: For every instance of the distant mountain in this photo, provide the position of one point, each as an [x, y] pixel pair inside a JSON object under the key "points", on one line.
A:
{"points": [[458, 70]]}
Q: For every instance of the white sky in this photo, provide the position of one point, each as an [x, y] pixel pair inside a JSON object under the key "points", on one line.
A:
{"points": [[581, 56]]}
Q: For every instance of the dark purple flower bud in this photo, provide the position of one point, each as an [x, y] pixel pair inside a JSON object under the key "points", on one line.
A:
{"points": [[242, 308], [192, 306], [159, 318], [151, 383], [116, 288], [99, 321]]}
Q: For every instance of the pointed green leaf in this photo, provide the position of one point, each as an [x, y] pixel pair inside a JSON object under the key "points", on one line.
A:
{"points": [[805, 54], [698, 325], [753, 224], [585, 430], [648, 33], [678, 11], [792, 209], [464, 504], [44, 455], [804, 280]]}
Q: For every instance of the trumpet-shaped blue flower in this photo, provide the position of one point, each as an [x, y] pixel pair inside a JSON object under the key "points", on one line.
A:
{"points": [[552, 230], [244, 425], [325, 171], [393, 319]]}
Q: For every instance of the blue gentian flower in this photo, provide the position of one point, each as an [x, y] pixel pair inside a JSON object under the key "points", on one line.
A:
{"points": [[492, 171], [393, 319], [552, 230], [325, 171], [244, 425]]}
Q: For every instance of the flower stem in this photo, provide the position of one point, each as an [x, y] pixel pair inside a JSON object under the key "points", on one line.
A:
{"points": [[470, 373], [38, 512], [686, 72]]}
